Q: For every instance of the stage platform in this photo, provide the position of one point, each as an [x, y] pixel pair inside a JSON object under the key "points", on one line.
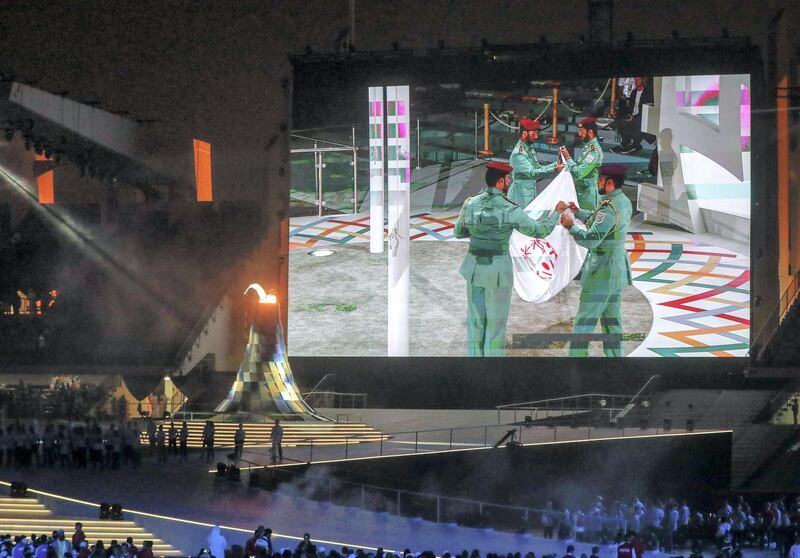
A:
{"points": [[180, 502]]}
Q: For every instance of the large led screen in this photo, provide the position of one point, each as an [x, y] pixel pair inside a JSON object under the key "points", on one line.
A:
{"points": [[404, 242]]}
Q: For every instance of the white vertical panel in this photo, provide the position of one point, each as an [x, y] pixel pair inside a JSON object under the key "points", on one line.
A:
{"points": [[376, 172], [398, 151]]}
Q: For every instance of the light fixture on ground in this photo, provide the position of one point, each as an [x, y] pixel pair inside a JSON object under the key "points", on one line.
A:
{"points": [[321, 252]]}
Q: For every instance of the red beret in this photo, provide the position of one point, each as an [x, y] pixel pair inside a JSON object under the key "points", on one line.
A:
{"points": [[614, 169], [529, 124], [505, 168], [587, 120]]}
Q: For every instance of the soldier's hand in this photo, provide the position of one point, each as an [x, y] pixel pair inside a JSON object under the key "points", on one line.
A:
{"points": [[560, 166], [574, 207], [561, 206], [567, 220]]}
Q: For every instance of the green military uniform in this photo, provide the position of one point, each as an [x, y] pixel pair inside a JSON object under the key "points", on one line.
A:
{"points": [[585, 172], [606, 273], [527, 170], [488, 220]]}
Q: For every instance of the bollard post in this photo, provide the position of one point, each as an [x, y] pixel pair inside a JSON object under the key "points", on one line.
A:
{"points": [[416, 440], [451, 438], [419, 139], [476, 156], [553, 139], [486, 151], [355, 172], [612, 110]]}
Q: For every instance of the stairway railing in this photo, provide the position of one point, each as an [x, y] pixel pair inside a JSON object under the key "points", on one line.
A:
{"points": [[646, 391], [568, 404], [760, 342]]}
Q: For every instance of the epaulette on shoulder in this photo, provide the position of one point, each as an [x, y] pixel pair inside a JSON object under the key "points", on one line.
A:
{"points": [[606, 201]]}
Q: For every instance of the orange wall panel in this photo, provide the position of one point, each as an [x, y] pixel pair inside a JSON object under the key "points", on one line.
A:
{"points": [[45, 185], [202, 171]]}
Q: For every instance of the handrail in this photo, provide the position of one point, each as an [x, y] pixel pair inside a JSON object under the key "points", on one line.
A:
{"points": [[653, 378], [564, 398], [775, 317], [672, 424], [331, 393], [335, 143], [635, 399], [305, 475], [194, 333]]}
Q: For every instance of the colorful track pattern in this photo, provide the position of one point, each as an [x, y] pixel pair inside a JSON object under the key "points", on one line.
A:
{"points": [[699, 293]]}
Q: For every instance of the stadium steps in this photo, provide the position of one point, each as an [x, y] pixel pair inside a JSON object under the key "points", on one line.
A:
{"points": [[294, 434], [726, 408], [16, 518], [754, 445]]}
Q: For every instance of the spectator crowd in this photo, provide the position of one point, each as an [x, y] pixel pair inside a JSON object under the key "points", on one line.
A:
{"points": [[671, 526], [57, 545]]}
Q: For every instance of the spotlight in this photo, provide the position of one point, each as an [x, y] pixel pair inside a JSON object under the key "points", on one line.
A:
{"points": [[19, 490], [322, 252], [116, 512], [105, 510]]}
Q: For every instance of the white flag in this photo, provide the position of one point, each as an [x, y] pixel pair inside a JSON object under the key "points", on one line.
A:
{"points": [[544, 266]]}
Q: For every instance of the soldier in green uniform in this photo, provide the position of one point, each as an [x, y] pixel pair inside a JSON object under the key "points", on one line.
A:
{"points": [[607, 270], [587, 168], [526, 165], [488, 220]]}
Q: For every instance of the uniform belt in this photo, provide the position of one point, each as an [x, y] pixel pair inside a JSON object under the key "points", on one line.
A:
{"points": [[487, 248]]}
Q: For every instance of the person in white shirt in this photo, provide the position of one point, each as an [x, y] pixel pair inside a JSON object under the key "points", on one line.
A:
{"points": [[216, 543], [723, 529], [794, 551], [684, 514]]}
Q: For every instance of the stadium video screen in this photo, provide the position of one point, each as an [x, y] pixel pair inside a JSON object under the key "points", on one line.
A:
{"points": [[404, 242]]}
